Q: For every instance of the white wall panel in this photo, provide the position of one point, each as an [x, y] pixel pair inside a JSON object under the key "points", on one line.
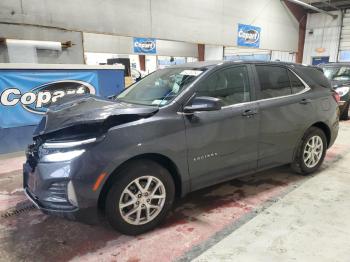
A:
{"points": [[213, 52], [322, 31], [99, 43], [196, 21], [175, 48]]}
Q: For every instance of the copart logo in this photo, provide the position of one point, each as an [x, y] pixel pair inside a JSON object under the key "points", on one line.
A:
{"points": [[40, 98], [146, 46], [250, 36]]}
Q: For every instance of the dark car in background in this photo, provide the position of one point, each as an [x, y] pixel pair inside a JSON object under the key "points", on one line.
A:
{"points": [[177, 130], [339, 75]]}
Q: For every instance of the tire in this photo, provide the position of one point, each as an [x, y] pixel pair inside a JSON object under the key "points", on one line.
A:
{"points": [[141, 171], [303, 164], [345, 113]]}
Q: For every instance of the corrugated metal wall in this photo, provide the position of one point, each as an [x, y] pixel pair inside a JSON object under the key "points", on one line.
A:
{"points": [[322, 37], [344, 45], [283, 56], [256, 53], [345, 32]]}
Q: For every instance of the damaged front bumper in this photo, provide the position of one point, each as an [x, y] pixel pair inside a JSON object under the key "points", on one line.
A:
{"points": [[56, 188]]}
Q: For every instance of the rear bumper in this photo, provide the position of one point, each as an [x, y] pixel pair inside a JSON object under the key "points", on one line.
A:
{"points": [[334, 132]]}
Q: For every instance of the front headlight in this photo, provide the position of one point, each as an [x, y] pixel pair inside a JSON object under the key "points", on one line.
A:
{"points": [[61, 156], [65, 144], [342, 91], [56, 151]]}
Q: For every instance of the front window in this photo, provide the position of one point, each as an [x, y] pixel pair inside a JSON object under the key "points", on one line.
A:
{"points": [[337, 73], [161, 87], [231, 85]]}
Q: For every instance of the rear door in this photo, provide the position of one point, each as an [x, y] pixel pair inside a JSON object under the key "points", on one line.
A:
{"points": [[223, 143], [286, 109]]}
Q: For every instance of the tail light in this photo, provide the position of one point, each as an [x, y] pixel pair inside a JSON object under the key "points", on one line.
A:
{"points": [[336, 96]]}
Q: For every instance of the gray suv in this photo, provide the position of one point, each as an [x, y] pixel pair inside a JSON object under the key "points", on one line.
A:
{"points": [[175, 131]]}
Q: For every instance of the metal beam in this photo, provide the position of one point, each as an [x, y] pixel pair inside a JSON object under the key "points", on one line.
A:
{"points": [[298, 2], [327, 3]]}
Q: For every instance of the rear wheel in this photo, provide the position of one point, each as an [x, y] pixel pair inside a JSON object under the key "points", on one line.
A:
{"points": [[140, 199], [310, 152], [345, 113]]}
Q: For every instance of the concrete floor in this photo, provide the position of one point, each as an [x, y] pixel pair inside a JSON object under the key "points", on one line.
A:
{"points": [[271, 216]]}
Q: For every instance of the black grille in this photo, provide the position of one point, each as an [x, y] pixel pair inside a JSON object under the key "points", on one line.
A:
{"points": [[32, 155], [58, 198], [58, 191]]}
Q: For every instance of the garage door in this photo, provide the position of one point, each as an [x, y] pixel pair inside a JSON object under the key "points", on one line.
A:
{"points": [[344, 47]]}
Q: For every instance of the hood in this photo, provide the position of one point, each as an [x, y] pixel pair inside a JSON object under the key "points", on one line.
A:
{"points": [[87, 109]]}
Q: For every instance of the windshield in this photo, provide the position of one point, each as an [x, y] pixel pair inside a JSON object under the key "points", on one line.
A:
{"points": [[160, 87], [337, 73]]}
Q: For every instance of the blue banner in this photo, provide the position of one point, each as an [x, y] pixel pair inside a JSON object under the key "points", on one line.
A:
{"points": [[248, 35], [25, 94], [145, 45]]}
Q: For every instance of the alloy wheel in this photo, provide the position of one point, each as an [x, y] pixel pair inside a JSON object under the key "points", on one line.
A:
{"points": [[313, 151], [142, 200]]}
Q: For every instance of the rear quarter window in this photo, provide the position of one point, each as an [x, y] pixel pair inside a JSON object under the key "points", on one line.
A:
{"points": [[314, 76]]}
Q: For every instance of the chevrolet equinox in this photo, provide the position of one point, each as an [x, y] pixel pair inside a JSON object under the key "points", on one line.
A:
{"points": [[177, 130]]}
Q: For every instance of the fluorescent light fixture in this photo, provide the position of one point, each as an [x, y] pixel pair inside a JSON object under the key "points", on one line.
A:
{"points": [[47, 45]]}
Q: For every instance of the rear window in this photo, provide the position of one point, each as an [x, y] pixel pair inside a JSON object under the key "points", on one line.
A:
{"points": [[274, 81]]}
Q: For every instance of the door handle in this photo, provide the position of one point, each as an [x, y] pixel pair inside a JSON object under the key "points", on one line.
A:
{"points": [[305, 101], [249, 112]]}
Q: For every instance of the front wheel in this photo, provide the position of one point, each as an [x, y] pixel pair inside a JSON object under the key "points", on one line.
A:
{"points": [[140, 198], [310, 152]]}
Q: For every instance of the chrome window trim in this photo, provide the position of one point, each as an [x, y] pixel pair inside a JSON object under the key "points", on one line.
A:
{"points": [[306, 89]]}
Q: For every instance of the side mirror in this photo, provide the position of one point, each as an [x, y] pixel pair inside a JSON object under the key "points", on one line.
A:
{"points": [[203, 103]]}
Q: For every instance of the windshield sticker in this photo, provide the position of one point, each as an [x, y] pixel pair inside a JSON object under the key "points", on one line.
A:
{"points": [[191, 72], [159, 102], [176, 88]]}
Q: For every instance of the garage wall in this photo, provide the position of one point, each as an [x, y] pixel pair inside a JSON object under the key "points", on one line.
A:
{"points": [[99, 43], [322, 31], [198, 21]]}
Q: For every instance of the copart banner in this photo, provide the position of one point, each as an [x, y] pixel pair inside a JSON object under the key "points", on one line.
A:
{"points": [[25, 95]]}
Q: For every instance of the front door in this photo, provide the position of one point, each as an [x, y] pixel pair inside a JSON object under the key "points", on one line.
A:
{"points": [[223, 143]]}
